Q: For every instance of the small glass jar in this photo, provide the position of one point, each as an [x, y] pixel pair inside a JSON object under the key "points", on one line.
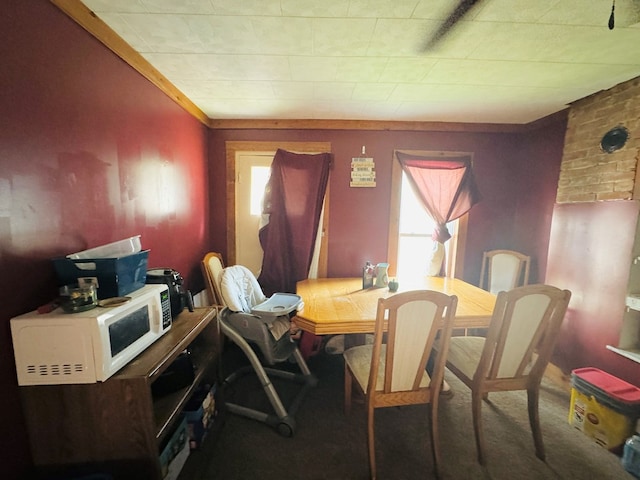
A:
{"points": [[75, 299]]}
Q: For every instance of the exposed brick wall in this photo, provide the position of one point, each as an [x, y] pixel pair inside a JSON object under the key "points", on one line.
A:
{"points": [[588, 174]]}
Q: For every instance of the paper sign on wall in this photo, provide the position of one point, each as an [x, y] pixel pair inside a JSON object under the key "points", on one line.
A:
{"points": [[363, 172]]}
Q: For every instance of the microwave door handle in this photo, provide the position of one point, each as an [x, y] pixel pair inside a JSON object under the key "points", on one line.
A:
{"points": [[158, 315]]}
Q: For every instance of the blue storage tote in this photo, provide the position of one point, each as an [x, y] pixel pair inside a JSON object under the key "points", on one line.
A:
{"points": [[115, 277]]}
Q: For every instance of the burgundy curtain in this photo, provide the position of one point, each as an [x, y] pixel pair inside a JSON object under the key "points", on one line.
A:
{"points": [[293, 203], [445, 186]]}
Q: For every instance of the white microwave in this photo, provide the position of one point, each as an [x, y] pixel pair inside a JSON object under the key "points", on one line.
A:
{"points": [[88, 347]]}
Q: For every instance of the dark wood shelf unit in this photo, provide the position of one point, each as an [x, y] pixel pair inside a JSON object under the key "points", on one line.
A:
{"points": [[118, 426], [167, 407]]}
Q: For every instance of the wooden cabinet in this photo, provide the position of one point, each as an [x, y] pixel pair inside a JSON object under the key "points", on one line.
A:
{"points": [[117, 426]]}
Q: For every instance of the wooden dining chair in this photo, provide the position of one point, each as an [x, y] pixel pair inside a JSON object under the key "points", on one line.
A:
{"points": [[393, 373], [514, 354], [212, 266], [504, 270]]}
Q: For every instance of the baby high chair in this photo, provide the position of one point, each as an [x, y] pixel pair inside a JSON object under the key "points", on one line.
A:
{"points": [[251, 318]]}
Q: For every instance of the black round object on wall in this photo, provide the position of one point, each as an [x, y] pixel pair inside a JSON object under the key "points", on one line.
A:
{"points": [[614, 139]]}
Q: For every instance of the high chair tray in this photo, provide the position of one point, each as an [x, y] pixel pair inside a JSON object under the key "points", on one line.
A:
{"points": [[278, 304]]}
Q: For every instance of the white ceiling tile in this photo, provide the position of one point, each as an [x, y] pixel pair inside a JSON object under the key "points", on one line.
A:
{"points": [[198, 7], [516, 73], [314, 8], [123, 6], [438, 9], [373, 91], [118, 24], [366, 69], [525, 11], [207, 66], [506, 61], [382, 8], [556, 43], [283, 35], [593, 12], [487, 93], [381, 110], [393, 37], [325, 110], [313, 68], [293, 90], [228, 89], [246, 7], [334, 91], [243, 108], [170, 33], [407, 70], [342, 36]]}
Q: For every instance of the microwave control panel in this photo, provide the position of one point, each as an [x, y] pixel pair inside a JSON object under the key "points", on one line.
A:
{"points": [[166, 309]]}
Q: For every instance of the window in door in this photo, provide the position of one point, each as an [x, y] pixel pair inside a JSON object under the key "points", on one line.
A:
{"points": [[259, 178], [253, 170]]}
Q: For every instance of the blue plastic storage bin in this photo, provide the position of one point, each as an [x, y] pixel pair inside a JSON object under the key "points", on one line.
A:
{"points": [[116, 277]]}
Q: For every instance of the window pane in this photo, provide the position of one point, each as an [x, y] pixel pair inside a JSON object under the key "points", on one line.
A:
{"points": [[413, 217], [259, 179], [415, 247], [414, 255]]}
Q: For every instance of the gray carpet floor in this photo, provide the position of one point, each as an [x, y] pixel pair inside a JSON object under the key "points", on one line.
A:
{"points": [[329, 445]]}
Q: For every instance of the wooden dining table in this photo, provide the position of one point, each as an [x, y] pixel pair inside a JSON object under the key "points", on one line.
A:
{"points": [[334, 306]]}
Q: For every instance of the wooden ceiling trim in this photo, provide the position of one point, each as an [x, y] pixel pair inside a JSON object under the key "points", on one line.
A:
{"points": [[313, 124], [88, 20]]}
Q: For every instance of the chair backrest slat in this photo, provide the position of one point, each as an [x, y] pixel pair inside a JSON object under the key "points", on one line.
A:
{"points": [[212, 266], [413, 321], [413, 327], [504, 270], [523, 330]]}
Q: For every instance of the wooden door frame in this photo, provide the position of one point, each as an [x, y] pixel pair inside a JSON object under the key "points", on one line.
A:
{"points": [[232, 148]]}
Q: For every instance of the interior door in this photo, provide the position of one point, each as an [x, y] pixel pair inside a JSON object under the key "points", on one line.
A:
{"points": [[246, 150], [252, 173]]}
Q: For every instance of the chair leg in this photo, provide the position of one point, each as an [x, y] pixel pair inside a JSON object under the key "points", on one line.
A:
{"points": [[435, 442], [371, 441], [534, 421], [348, 382], [476, 410]]}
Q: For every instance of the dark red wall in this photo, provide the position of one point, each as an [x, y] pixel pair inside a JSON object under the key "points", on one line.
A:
{"points": [[538, 170], [590, 254], [90, 152], [359, 217]]}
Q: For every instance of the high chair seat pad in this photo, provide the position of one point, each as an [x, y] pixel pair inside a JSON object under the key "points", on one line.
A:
{"points": [[240, 289]]}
